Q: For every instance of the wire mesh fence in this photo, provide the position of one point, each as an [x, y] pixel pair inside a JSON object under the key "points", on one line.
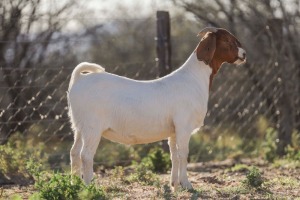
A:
{"points": [[241, 96], [38, 99], [244, 100]]}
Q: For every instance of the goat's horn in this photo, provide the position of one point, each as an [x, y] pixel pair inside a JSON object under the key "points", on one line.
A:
{"points": [[207, 29]]}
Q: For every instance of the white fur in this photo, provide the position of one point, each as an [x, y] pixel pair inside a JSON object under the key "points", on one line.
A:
{"points": [[137, 112], [241, 56]]}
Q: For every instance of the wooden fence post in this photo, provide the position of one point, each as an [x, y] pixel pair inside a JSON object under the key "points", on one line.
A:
{"points": [[163, 50], [163, 43], [285, 103]]}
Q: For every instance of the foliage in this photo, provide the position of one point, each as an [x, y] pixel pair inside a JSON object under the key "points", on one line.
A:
{"points": [[30, 42], [293, 150], [110, 154], [143, 174], [239, 167], [92, 192], [269, 144], [292, 153], [206, 146], [118, 173], [63, 186], [254, 178], [157, 160], [15, 154]]}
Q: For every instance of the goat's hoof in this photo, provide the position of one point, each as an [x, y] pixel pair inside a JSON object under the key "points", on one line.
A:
{"points": [[175, 185], [186, 185]]}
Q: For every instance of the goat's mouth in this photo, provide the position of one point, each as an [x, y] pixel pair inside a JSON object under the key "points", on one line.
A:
{"points": [[240, 61], [241, 57]]}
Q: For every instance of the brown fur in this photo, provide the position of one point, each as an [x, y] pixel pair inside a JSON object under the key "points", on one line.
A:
{"points": [[206, 48], [218, 47]]}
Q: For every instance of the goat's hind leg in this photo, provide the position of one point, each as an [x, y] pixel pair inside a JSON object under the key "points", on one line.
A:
{"points": [[75, 155], [90, 139]]}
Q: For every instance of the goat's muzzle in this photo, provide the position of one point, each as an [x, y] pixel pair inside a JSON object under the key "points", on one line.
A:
{"points": [[241, 58]]}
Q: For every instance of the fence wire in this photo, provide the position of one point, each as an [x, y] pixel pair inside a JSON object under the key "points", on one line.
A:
{"points": [[37, 102], [39, 98]]}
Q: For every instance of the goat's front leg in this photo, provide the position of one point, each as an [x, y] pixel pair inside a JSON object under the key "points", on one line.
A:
{"points": [[175, 162], [182, 141]]}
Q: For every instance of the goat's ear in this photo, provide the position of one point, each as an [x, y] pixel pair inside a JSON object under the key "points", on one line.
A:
{"points": [[206, 48]]}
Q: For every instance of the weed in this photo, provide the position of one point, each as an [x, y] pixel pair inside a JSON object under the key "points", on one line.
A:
{"points": [[157, 160], [62, 186], [254, 178], [144, 175], [14, 155], [269, 145], [118, 173], [195, 194], [292, 153], [92, 192]]}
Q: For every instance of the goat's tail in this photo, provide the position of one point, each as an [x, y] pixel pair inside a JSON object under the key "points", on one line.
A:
{"points": [[84, 67]]}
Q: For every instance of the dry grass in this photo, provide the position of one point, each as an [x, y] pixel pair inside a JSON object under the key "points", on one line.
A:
{"points": [[216, 180]]}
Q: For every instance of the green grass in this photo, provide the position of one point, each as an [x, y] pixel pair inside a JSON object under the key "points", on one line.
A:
{"points": [[285, 182], [239, 168]]}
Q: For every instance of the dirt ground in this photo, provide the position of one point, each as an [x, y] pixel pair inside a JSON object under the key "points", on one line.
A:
{"points": [[211, 180]]}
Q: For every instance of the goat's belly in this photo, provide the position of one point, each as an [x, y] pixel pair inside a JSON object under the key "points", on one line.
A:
{"points": [[135, 137]]}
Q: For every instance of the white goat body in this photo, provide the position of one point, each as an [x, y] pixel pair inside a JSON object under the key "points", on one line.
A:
{"points": [[136, 112]]}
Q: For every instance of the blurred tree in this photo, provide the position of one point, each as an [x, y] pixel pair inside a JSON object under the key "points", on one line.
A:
{"points": [[27, 30], [269, 31]]}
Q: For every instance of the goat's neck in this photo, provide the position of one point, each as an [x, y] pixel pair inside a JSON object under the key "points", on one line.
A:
{"points": [[215, 66], [198, 69]]}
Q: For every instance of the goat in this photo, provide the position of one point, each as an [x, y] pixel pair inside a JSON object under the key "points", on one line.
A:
{"points": [[138, 112]]}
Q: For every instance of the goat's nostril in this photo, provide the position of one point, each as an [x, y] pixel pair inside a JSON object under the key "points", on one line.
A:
{"points": [[244, 55]]}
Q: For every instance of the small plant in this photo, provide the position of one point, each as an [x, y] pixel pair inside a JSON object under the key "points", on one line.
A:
{"points": [[160, 160], [14, 156], [157, 160], [118, 173], [292, 153], [254, 178], [167, 192], [269, 145], [62, 186], [143, 175], [92, 192], [59, 187]]}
